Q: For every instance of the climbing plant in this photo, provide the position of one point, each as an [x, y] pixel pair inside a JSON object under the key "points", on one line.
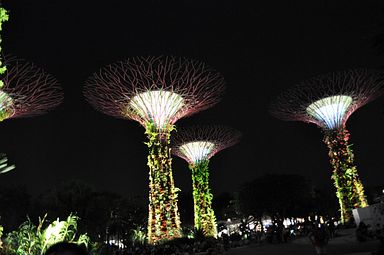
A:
{"points": [[205, 219], [163, 219], [3, 17], [349, 189]]}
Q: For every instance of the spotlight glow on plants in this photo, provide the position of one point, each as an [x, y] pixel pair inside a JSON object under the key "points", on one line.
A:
{"points": [[156, 92], [197, 145], [328, 101]]}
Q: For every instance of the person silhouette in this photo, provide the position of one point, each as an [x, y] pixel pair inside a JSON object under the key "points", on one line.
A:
{"points": [[319, 238], [65, 248]]}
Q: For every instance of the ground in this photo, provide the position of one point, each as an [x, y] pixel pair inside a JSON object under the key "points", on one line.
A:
{"points": [[343, 245]]}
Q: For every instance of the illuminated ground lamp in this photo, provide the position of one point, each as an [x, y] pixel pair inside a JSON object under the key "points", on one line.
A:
{"points": [[197, 145], [156, 92], [328, 101]]}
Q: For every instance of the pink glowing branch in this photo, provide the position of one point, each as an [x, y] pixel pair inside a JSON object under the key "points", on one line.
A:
{"points": [[32, 90], [360, 86], [115, 88]]}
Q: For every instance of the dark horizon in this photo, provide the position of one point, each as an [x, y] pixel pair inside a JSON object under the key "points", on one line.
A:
{"points": [[259, 48]]}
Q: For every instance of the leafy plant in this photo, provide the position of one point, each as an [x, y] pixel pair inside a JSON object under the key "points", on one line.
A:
{"points": [[139, 236], [4, 167], [1, 234], [35, 240], [3, 17]]}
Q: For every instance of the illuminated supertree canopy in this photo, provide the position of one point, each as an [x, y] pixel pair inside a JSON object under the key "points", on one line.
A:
{"points": [[27, 90], [156, 92], [197, 145], [328, 101]]}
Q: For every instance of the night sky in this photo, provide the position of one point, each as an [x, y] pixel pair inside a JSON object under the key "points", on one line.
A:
{"points": [[260, 49]]}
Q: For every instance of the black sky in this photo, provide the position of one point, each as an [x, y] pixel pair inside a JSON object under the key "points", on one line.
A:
{"points": [[260, 48]]}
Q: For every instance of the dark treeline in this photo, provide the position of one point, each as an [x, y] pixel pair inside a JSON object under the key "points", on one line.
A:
{"points": [[97, 210], [274, 195]]}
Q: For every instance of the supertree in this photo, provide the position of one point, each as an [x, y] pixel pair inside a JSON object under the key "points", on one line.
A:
{"points": [[27, 90], [197, 145], [328, 101], [156, 92], [24, 90]]}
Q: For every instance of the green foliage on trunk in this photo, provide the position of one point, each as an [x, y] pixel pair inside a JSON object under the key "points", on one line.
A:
{"points": [[205, 219], [163, 219], [3, 17], [35, 240], [349, 189]]}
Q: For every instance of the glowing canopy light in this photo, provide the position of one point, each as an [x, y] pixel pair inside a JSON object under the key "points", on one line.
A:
{"points": [[197, 151], [330, 110], [6, 105], [157, 106]]}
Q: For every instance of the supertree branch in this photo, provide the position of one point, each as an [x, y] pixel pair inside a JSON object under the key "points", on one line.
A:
{"points": [[349, 189], [156, 92], [328, 101], [154, 89], [197, 145], [27, 90]]}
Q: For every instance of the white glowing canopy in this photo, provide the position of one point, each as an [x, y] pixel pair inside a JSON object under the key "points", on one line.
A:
{"points": [[157, 106], [197, 151], [330, 110]]}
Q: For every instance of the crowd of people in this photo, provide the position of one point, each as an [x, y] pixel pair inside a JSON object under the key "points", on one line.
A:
{"points": [[318, 233]]}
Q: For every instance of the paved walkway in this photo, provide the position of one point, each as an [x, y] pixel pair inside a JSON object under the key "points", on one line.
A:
{"points": [[294, 249], [344, 245]]}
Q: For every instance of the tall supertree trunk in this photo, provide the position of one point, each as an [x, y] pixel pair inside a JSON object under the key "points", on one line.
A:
{"points": [[163, 219], [205, 219], [349, 189]]}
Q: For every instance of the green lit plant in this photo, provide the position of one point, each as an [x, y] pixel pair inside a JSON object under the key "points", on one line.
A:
{"points": [[35, 240], [349, 189], [197, 145], [163, 199], [3, 17], [156, 92], [1, 235], [138, 236]]}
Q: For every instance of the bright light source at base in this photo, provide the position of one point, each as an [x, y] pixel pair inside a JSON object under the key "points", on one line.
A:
{"points": [[196, 151], [157, 106], [330, 110]]}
